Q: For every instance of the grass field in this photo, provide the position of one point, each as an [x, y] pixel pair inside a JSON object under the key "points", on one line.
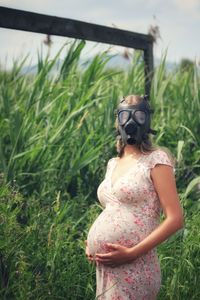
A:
{"points": [[57, 134]]}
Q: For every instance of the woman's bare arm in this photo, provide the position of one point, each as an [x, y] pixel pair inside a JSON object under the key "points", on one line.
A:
{"points": [[165, 186]]}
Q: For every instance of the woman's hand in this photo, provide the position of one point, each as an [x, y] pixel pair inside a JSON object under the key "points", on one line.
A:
{"points": [[118, 255], [89, 256]]}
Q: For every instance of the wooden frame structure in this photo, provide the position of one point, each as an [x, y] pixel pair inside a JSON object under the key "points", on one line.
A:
{"points": [[52, 25]]}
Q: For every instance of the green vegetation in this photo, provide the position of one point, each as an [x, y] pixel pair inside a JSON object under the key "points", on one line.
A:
{"points": [[57, 133]]}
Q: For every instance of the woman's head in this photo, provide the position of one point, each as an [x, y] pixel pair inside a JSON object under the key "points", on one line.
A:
{"points": [[140, 124], [131, 100]]}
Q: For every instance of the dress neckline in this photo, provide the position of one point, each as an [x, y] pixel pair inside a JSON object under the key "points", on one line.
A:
{"points": [[112, 185]]}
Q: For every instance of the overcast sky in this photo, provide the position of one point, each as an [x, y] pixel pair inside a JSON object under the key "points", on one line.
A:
{"points": [[178, 20]]}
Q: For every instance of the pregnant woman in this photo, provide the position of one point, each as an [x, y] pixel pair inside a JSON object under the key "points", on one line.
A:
{"points": [[138, 184]]}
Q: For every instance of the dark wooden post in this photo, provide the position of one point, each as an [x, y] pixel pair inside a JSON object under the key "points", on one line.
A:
{"points": [[148, 67]]}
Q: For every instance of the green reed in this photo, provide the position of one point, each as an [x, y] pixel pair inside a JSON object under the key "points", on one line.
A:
{"points": [[57, 133]]}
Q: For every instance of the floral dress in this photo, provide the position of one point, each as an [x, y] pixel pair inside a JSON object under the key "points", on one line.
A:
{"points": [[131, 212]]}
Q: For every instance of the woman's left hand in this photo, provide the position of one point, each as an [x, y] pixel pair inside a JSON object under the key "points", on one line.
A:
{"points": [[118, 255]]}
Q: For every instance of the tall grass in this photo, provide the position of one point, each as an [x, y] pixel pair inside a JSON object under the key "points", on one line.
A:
{"points": [[57, 133]]}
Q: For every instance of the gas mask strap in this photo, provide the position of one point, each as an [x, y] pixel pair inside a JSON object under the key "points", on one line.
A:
{"points": [[153, 131], [123, 99]]}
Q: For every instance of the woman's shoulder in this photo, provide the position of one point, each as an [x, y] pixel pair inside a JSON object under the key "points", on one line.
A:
{"points": [[111, 161], [160, 149], [114, 158], [161, 155]]}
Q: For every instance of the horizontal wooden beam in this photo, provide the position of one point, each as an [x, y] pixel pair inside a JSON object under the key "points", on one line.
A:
{"points": [[52, 25]]}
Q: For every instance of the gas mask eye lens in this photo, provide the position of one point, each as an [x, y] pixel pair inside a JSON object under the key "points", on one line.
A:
{"points": [[123, 117], [140, 116]]}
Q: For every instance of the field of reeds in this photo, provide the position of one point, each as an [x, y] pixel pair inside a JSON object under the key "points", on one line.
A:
{"points": [[57, 134]]}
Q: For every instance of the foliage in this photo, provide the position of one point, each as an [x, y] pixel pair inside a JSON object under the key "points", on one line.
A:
{"points": [[57, 133], [186, 64]]}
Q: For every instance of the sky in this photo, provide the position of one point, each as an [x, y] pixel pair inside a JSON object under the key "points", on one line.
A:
{"points": [[178, 21]]}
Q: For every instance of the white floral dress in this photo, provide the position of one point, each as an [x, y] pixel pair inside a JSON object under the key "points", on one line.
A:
{"points": [[131, 212]]}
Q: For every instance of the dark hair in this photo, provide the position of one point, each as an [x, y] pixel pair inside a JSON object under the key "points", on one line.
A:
{"points": [[146, 145]]}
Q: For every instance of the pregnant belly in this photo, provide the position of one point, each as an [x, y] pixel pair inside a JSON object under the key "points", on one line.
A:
{"points": [[114, 226]]}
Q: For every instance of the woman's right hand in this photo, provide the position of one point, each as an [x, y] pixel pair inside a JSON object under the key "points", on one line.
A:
{"points": [[89, 256]]}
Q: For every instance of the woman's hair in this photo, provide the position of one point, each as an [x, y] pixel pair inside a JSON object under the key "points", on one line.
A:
{"points": [[147, 143]]}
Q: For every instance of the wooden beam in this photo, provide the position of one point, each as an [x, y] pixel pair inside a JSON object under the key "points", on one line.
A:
{"points": [[52, 25]]}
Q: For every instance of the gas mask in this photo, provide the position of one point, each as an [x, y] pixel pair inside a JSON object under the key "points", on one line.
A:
{"points": [[134, 121]]}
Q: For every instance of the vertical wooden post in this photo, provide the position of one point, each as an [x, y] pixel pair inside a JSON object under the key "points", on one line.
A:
{"points": [[148, 67]]}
